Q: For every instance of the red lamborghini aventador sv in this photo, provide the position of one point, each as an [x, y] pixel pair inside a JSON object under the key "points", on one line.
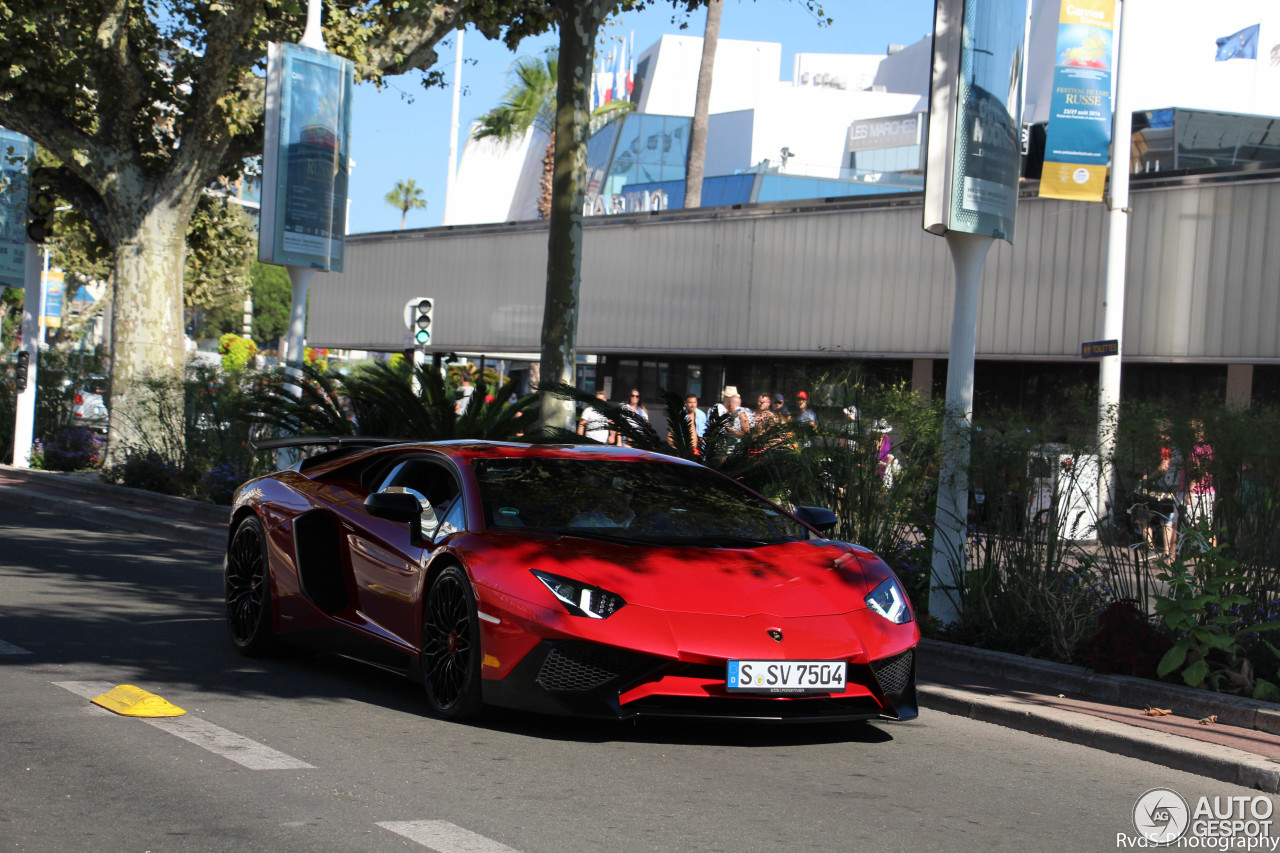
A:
{"points": [[594, 581]]}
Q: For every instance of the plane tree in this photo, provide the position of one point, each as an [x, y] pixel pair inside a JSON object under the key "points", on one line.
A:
{"points": [[146, 103]]}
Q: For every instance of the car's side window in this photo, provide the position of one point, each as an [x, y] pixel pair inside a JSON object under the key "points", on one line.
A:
{"points": [[437, 491]]}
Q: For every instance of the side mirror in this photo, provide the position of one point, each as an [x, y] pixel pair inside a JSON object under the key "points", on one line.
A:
{"points": [[817, 517], [401, 507]]}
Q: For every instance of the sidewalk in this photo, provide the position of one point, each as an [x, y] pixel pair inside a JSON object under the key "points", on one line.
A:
{"points": [[1068, 703]]}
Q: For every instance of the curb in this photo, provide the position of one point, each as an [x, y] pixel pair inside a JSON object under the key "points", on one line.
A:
{"points": [[1123, 690], [193, 522], [1223, 763]]}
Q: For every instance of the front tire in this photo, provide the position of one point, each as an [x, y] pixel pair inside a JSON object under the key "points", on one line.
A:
{"points": [[247, 586], [451, 646]]}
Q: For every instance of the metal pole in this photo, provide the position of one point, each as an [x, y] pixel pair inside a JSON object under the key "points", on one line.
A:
{"points": [[294, 353], [32, 302], [1113, 294], [453, 133], [968, 252]]}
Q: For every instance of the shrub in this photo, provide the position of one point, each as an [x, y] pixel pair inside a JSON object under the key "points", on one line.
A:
{"points": [[235, 351], [1125, 643], [71, 449], [147, 469], [220, 482]]}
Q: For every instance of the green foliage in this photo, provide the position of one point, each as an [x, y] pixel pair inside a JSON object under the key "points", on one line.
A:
{"points": [[530, 100], [196, 424], [236, 352], [221, 245], [379, 400], [272, 301], [1205, 612]]}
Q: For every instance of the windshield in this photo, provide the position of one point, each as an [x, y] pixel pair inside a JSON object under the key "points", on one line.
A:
{"points": [[642, 502]]}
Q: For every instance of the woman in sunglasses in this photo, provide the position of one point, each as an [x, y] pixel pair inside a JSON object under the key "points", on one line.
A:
{"points": [[635, 406]]}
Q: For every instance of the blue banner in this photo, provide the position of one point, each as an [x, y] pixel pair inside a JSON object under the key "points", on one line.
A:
{"points": [[1078, 138]]}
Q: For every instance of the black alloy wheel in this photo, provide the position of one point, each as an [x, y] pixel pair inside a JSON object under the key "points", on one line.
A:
{"points": [[247, 584], [451, 646]]}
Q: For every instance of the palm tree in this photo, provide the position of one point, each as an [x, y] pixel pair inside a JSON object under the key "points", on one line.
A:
{"points": [[702, 102], [406, 196], [380, 401], [530, 102]]}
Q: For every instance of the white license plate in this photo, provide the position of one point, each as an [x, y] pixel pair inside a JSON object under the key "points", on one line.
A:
{"points": [[786, 676]]}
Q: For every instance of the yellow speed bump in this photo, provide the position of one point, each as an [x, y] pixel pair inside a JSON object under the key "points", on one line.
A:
{"points": [[135, 702]]}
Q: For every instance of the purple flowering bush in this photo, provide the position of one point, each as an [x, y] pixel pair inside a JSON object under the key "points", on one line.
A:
{"points": [[220, 482], [71, 449]]}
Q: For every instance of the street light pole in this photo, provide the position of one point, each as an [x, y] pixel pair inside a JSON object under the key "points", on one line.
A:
{"points": [[1114, 289]]}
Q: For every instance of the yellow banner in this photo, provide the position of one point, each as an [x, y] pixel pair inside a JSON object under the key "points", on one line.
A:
{"points": [[1072, 181], [1093, 13]]}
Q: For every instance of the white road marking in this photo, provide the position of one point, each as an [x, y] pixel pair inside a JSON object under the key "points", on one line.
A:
{"points": [[11, 649], [238, 748], [445, 837]]}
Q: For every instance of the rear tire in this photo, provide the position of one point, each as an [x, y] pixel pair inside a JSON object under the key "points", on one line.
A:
{"points": [[451, 646], [247, 586]]}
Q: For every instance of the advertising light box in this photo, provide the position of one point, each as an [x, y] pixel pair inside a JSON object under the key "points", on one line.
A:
{"points": [[16, 151], [305, 160], [974, 148]]}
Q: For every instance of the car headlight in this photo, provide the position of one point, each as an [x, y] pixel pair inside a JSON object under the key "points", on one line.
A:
{"points": [[579, 598], [890, 601]]}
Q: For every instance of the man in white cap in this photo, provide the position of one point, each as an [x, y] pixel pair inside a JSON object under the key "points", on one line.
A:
{"points": [[719, 410]]}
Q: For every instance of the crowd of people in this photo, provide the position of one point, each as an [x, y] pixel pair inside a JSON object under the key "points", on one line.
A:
{"points": [[737, 420]]}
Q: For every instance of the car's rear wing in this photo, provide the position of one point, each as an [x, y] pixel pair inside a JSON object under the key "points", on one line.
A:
{"points": [[341, 445], [322, 440]]}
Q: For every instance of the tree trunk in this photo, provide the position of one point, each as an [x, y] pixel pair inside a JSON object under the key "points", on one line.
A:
{"points": [[147, 340], [548, 178], [701, 106], [579, 23]]}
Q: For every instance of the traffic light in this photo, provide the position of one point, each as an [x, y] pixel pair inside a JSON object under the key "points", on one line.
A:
{"points": [[40, 207], [418, 317], [24, 363]]}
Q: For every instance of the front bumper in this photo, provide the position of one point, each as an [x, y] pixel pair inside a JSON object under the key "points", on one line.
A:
{"points": [[570, 677]]}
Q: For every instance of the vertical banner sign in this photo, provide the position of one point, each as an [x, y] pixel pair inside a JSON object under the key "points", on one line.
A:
{"points": [[1078, 139], [305, 158], [16, 151], [54, 287], [974, 148]]}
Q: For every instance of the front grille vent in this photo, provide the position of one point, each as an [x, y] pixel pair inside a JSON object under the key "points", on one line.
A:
{"points": [[576, 668], [894, 674]]}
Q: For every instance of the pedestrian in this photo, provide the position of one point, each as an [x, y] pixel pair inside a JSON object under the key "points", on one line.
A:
{"points": [[885, 462], [1163, 486], [465, 391], [695, 422], [719, 410], [634, 406], [805, 415], [737, 419], [780, 408], [763, 416], [594, 425]]}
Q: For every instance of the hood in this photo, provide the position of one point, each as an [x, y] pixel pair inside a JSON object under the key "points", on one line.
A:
{"points": [[794, 579]]}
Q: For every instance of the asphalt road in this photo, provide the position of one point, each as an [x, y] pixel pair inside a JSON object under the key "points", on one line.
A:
{"points": [[314, 753]]}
